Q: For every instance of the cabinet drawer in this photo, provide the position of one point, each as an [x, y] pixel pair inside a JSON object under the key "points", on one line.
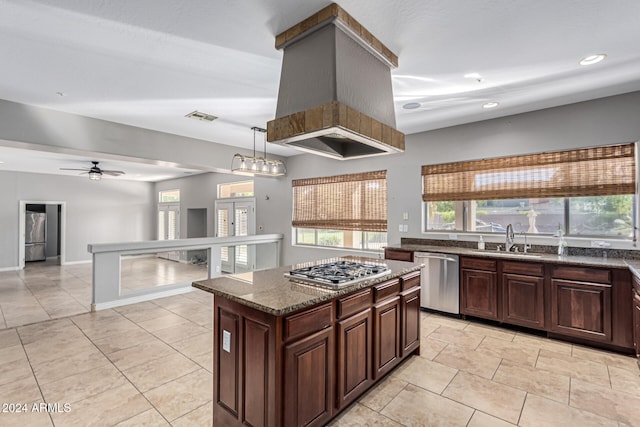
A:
{"points": [[312, 320], [410, 281], [525, 268], [478, 264], [398, 254], [586, 274], [386, 290], [354, 303]]}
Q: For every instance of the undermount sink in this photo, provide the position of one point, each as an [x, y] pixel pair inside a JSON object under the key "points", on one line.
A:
{"points": [[507, 254]]}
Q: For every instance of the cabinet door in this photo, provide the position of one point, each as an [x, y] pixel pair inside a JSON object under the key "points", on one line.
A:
{"points": [[523, 300], [309, 379], [636, 323], [410, 302], [398, 254], [479, 293], [386, 332], [354, 356], [581, 309]]}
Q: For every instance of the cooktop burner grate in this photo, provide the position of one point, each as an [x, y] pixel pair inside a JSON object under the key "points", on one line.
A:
{"points": [[339, 272]]}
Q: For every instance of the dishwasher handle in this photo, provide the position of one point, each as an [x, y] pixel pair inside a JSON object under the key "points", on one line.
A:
{"points": [[434, 256]]}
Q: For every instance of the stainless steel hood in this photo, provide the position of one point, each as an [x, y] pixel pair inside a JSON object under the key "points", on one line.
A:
{"points": [[335, 96]]}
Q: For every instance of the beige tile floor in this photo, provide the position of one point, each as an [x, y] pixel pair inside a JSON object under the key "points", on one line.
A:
{"points": [[150, 364], [44, 290]]}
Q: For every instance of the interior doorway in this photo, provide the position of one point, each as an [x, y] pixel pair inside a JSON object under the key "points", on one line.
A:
{"points": [[196, 227], [44, 240], [236, 218]]}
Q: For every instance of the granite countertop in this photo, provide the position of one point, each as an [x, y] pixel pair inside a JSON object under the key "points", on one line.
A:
{"points": [[531, 257], [270, 291]]}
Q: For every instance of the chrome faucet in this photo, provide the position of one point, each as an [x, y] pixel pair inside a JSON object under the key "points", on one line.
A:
{"points": [[510, 239]]}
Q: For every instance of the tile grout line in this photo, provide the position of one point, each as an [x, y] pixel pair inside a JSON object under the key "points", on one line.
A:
{"points": [[125, 377], [199, 367], [35, 378]]}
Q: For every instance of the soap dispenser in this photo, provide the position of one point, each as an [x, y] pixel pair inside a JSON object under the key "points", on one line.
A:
{"points": [[481, 243], [562, 245]]}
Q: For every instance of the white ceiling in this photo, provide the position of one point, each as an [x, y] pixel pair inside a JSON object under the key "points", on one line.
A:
{"points": [[147, 63]]}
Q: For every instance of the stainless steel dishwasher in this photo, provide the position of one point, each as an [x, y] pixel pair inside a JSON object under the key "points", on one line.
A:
{"points": [[440, 287]]}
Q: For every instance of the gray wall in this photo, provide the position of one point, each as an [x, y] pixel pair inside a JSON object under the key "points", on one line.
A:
{"points": [[127, 211], [600, 122], [25, 126], [96, 212]]}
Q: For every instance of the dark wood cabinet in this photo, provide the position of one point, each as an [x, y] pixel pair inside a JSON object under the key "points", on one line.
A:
{"points": [[523, 294], [635, 292], [479, 288], [636, 323], [308, 379], [581, 309], [302, 368], [386, 341], [410, 302], [354, 352], [588, 305], [398, 254]]}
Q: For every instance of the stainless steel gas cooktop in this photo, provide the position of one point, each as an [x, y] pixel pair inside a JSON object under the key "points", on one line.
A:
{"points": [[338, 273]]}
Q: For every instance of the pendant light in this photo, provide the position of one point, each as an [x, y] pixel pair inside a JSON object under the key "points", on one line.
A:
{"points": [[254, 165]]}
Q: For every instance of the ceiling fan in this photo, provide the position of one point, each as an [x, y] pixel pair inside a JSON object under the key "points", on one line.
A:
{"points": [[95, 172]]}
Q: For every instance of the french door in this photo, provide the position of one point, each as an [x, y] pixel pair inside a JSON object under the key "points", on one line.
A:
{"points": [[169, 227], [236, 218]]}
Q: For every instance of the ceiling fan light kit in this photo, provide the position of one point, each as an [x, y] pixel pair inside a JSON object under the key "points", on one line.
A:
{"points": [[95, 172]]}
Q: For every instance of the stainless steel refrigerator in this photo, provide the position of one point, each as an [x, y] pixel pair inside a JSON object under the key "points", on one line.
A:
{"points": [[35, 236]]}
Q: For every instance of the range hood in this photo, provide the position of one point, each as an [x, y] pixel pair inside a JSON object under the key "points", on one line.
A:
{"points": [[335, 96]]}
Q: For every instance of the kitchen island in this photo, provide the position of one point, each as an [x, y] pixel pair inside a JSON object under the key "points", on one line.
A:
{"points": [[290, 353]]}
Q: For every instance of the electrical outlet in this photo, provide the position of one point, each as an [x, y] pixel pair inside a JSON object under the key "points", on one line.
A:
{"points": [[405, 216], [405, 228], [453, 236], [400, 228]]}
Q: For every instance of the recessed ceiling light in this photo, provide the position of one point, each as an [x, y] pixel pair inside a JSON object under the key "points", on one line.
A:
{"points": [[474, 76], [411, 106], [492, 104], [593, 59]]}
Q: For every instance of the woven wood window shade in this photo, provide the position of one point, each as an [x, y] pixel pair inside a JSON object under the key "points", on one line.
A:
{"points": [[584, 172], [344, 202]]}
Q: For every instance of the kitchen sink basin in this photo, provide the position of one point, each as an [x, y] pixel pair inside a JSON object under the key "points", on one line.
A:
{"points": [[508, 254]]}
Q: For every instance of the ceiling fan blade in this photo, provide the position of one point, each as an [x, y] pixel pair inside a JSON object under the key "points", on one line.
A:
{"points": [[112, 173], [70, 169]]}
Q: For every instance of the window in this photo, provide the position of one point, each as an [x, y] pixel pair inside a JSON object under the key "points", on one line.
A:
{"points": [[585, 192], [235, 189], [344, 211], [169, 196], [169, 220]]}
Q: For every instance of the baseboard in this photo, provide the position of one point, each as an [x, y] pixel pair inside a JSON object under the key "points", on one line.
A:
{"points": [[89, 261], [10, 269], [142, 298]]}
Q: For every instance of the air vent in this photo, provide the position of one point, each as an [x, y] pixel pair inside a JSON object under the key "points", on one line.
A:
{"points": [[199, 115]]}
